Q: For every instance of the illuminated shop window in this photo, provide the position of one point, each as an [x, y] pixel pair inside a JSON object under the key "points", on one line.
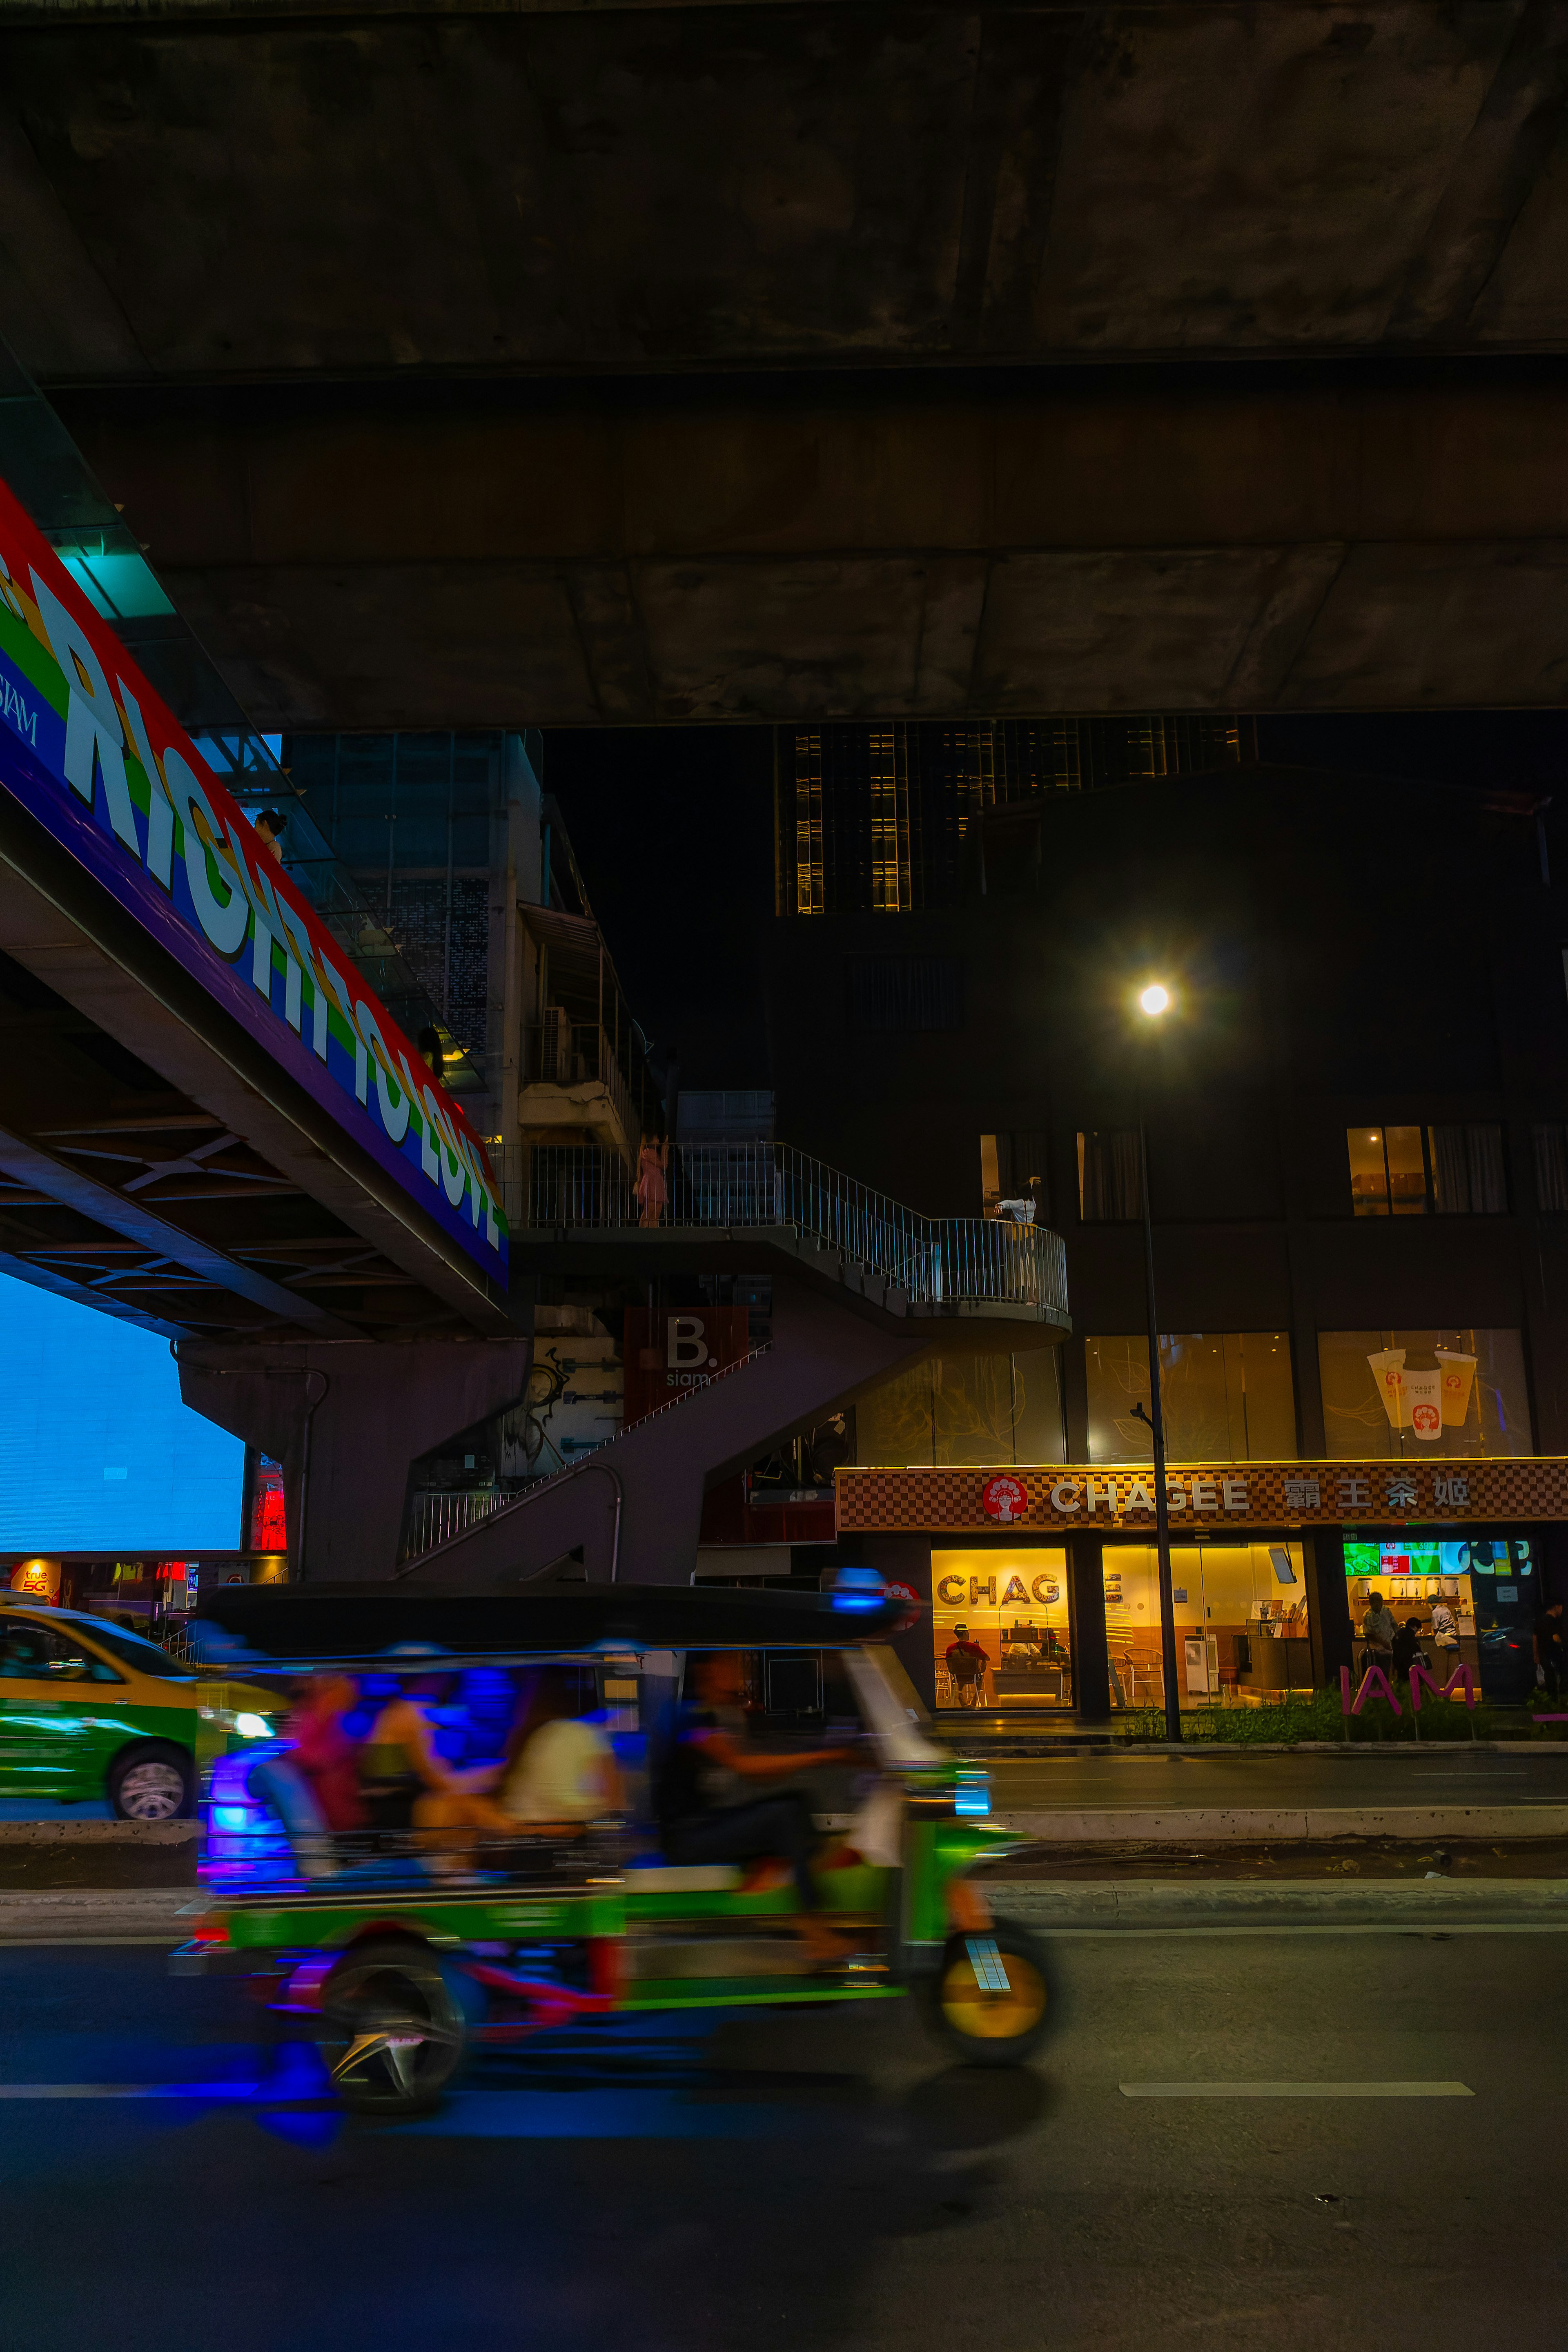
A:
{"points": [[1227, 1397], [1000, 1628], [1243, 1636], [992, 1409], [1450, 1170], [1410, 1394]]}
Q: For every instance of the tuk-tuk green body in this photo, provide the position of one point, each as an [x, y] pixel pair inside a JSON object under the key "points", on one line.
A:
{"points": [[399, 1962]]}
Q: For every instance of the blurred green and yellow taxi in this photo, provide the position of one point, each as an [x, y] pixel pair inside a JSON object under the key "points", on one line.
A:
{"points": [[89, 1710]]}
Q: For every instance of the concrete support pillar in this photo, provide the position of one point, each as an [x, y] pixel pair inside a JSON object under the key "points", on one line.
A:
{"points": [[905, 1559], [1328, 1605], [1085, 1615], [347, 1423]]}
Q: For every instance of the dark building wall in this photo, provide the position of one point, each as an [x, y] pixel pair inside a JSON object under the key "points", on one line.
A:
{"points": [[1344, 951]]}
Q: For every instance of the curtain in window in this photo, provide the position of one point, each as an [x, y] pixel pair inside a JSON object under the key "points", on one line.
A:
{"points": [[1467, 1169], [1483, 1147], [1021, 1156], [1450, 1170], [1111, 1194], [1551, 1169]]}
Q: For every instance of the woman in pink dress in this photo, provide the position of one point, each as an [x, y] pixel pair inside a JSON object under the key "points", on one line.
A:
{"points": [[652, 1161]]}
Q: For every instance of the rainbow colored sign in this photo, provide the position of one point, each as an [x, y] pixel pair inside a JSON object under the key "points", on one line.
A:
{"points": [[90, 752]]}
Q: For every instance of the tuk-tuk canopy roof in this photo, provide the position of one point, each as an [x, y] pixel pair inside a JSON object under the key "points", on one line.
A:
{"points": [[300, 1625]]}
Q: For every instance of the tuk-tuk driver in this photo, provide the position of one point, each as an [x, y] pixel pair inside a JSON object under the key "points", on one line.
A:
{"points": [[706, 1809]]}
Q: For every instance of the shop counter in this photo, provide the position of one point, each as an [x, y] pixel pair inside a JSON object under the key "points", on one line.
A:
{"points": [[1279, 1661]]}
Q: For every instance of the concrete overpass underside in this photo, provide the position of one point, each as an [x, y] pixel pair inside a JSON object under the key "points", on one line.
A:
{"points": [[465, 362], [159, 1163]]}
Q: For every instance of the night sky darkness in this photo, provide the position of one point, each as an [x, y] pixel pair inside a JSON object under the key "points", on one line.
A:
{"points": [[673, 830]]}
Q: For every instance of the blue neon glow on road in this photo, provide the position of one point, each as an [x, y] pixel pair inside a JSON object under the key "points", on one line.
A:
{"points": [[87, 1396]]}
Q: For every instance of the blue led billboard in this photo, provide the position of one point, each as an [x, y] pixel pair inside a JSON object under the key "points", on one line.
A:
{"points": [[97, 1452]]}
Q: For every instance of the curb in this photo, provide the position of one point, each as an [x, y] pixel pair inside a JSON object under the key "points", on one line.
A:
{"points": [[1283, 1824], [98, 1832], [164, 1915], [69, 1914], [1424, 1905]]}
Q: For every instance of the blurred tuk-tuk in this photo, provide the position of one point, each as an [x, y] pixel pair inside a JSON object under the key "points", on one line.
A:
{"points": [[400, 1957]]}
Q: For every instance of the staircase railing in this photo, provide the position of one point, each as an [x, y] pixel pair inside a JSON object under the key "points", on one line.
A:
{"points": [[932, 1260]]}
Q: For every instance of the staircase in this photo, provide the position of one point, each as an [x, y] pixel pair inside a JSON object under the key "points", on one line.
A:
{"points": [[861, 1285], [732, 1188]]}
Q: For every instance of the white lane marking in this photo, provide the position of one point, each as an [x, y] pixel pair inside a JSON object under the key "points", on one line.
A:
{"points": [[1314, 1928], [128, 2090], [87, 1943], [1296, 2091]]}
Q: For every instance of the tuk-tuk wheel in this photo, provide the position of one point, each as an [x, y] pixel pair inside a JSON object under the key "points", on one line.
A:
{"points": [[990, 1998], [393, 2032]]}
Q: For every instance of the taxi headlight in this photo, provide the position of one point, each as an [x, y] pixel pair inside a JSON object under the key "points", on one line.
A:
{"points": [[253, 1727]]}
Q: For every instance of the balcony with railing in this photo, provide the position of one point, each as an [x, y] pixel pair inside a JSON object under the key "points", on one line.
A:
{"points": [[577, 1060], [725, 1187], [585, 1082]]}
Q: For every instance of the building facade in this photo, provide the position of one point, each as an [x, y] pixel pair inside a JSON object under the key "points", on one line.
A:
{"points": [[1358, 1156]]}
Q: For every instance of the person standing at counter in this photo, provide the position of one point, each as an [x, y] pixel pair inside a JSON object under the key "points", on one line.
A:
{"points": [[1377, 1631], [1407, 1646], [1548, 1650]]}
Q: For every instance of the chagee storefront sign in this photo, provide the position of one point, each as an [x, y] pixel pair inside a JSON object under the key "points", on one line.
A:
{"points": [[1235, 1494]]}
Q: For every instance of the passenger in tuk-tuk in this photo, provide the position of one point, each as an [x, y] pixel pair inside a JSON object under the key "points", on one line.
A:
{"points": [[557, 1768], [321, 1751], [706, 1812], [558, 1771], [404, 1776]]}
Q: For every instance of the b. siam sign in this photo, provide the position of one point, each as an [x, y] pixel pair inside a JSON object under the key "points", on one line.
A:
{"points": [[89, 751]]}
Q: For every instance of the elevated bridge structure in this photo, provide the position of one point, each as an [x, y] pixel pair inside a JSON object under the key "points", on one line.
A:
{"points": [[859, 1287], [497, 361]]}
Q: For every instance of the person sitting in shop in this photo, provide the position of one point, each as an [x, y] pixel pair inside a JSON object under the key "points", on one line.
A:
{"points": [[966, 1662]]}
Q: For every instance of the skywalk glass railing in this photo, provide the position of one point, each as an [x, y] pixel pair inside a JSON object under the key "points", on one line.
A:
{"points": [[729, 1186], [53, 481]]}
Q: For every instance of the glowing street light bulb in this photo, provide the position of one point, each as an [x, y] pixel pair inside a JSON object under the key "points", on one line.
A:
{"points": [[1155, 1000]]}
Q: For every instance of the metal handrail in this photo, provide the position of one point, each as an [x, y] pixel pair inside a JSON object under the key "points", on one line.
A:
{"points": [[932, 1260]]}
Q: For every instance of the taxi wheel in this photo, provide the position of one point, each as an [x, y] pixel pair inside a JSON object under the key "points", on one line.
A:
{"points": [[151, 1784], [990, 2000], [393, 2029]]}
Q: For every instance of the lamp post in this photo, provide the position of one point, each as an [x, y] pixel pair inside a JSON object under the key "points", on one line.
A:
{"points": [[1154, 1003]]}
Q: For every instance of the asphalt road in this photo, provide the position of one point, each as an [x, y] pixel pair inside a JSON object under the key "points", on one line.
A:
{"points": [[820, 2180], [1452, 1774]]}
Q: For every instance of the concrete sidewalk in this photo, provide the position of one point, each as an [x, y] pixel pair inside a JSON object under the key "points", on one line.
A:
{"points": [[76, 1915], [1286, 1781], [165, 1916], [1422, 1907], [1280, 1824]]}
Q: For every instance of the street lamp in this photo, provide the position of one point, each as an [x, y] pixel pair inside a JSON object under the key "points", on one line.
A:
{"points": [[1153, 1003]]}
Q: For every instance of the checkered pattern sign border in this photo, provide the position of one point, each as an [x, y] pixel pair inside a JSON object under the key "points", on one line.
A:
{"points": [[1221, 1494]]}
